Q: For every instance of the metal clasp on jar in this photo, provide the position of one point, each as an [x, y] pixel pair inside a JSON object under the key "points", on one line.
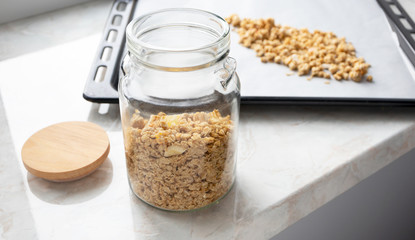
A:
{"points": [[226, 73]]}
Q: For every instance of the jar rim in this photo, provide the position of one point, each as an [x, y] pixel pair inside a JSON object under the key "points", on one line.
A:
{"points": [[131, 36], [218, 47]]}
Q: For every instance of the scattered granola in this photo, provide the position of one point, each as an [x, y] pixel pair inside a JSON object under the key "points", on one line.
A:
{"points": [[180, 162], [320, 54]]}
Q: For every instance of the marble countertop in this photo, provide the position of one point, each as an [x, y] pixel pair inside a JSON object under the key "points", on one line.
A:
{"points": [[291, 160]]}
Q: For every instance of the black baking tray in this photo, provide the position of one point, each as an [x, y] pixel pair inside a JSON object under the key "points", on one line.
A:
{"points": [[102, 83]]}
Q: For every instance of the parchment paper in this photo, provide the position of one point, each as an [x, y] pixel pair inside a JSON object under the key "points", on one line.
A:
{"points": [[362, 22]]}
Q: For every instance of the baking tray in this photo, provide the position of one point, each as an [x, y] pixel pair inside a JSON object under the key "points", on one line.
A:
{"points": [[258, 85]]}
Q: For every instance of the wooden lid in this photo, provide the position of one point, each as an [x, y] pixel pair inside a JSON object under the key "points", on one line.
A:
{"points": [[66, 151]]}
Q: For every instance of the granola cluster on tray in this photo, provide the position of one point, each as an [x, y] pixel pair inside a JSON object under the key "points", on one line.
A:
{"points": [[317, 53], [180, 162]]}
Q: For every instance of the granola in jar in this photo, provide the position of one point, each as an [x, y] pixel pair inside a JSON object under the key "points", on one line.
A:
{"points": [[180, 162]]}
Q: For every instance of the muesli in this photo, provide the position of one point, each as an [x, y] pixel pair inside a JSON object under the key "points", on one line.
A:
{"points": [[180, 162]]}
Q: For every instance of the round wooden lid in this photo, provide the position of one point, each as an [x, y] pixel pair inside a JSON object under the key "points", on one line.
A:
{"points": [[66, 151]]}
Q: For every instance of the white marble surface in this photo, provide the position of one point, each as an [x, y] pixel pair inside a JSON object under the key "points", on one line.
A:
{"points": [[291, 160]]}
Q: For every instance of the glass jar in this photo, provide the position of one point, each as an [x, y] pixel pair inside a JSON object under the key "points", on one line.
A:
{"points": [[179, 101]]}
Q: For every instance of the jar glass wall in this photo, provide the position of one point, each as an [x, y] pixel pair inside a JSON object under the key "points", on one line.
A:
{"points": [[179, 101]]}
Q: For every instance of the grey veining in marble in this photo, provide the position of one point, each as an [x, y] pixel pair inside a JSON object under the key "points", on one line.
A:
{"points": [[14, 204]]}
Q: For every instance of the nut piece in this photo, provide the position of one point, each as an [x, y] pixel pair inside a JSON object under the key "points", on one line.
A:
{"points": [[233, 20], [174, 150], [301, 50]]}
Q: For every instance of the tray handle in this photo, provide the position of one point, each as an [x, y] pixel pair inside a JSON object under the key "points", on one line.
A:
{"points": [[402, 25], [101, 85]]}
